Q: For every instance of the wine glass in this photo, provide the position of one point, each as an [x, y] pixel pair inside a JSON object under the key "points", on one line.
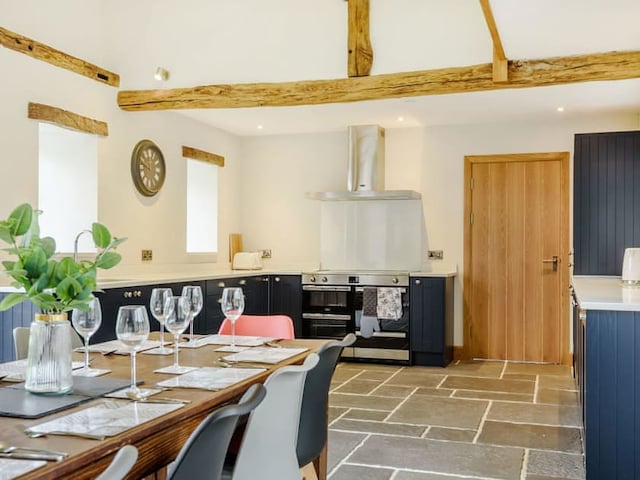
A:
{"points": [[86, 323], [157, 309], [194, 294], [132, 329], [232, 307], [178, 315]]}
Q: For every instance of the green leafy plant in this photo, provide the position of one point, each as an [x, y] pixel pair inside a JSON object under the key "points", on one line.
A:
{"points": [[54, 286]]}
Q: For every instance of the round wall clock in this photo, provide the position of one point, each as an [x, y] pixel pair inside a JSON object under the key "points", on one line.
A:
{"points": [[148, 170]]}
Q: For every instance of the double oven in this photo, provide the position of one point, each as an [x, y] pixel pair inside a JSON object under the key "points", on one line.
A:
{"points": [[332, 306]]}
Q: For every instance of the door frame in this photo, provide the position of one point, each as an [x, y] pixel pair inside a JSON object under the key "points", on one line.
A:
{"points": [[563, 157]]}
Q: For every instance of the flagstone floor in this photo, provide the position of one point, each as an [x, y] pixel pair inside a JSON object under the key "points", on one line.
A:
{"points": [[472, 420]]}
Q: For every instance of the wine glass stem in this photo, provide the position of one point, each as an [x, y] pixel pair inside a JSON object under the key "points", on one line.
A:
{"points": [[162, 335], [134, 382], [86, 353], [233, 334], [191, 328], [175, 351]]}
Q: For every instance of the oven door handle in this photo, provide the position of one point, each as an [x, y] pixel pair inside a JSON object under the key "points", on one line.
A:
{"points": [[326, 316], [385, 334], [402, 289], [325, 288]]}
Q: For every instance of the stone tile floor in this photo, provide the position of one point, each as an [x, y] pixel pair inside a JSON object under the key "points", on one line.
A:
{"points": [[472, 420]]}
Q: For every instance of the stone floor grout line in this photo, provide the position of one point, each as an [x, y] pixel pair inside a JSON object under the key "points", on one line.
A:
{"points": [[338, 417], [440, 384], [365, 432], [525, 464], [432, 472], [482, 420], [453, 392], [426, 432], [400, 404], [535, 389], [384, 382], [504, 368], [535, 423], [346, 381], [346, 457]]}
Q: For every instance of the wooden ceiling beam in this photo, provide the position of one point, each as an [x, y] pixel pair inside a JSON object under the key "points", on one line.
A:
{"points": [[64, 118], [500, 62], [41, 51], [360, 53], [476, 78], [202, 155]]}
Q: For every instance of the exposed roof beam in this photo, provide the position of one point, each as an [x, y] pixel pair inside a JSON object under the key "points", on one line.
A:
{"points": [[202, 155], [500, 70], [64, 118], [41, 51], [476, 78], [360, 53]]}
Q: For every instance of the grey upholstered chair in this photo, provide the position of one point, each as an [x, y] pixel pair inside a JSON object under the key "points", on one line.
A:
{"points": [[312, 434], [268, 448], [202, 456], [124, 460]]}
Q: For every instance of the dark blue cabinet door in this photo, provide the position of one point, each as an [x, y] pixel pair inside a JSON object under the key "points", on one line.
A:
{"points": [[285, 298]]}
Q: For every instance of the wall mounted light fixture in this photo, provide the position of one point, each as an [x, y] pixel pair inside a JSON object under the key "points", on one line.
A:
{"points": [[162, 74]]}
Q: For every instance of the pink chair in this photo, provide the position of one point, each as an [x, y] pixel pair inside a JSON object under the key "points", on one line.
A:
{"points": [[275, 326]]}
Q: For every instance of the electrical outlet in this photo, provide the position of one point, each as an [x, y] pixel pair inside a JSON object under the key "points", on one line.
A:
{"points": [[147, 255], [435, 254], [266, 253]]}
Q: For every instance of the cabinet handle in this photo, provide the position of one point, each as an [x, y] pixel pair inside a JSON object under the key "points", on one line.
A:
{"points": [[137, 293], [221, 284], [418, 281], [583, 316], [277, 279], [242, 282], [266, 279], [127, 294], [220, 300]]}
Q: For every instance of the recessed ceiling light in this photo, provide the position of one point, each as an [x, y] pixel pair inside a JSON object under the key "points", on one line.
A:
{"points": [[259, 127], [162, 74], [560, 109], [401, 119]]}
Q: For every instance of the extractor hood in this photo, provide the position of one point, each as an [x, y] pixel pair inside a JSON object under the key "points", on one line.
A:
{"points": [[365, 175]]}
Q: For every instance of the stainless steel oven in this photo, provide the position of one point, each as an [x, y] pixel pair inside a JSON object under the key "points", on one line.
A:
{"points": [[332, 307]]}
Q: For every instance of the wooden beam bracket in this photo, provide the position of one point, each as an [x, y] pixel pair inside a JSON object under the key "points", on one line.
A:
{"points": [[66, 119], [197, 154], [360, 53], [500, 62], [40, 51]]}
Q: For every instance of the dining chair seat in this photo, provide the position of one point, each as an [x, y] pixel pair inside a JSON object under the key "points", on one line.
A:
{"points": [[21, 341], [275, 326], [268, 448], [312, 433], [202, 456], [124, 460]]}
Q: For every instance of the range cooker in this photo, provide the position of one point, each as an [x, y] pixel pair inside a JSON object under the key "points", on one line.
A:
{"points": [[332, 304]]}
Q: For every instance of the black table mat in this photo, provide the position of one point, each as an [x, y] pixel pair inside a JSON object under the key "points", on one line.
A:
{"points": [[15, 401]]}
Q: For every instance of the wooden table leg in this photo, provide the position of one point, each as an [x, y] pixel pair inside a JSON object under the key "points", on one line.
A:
{"points": [[320, 464]]}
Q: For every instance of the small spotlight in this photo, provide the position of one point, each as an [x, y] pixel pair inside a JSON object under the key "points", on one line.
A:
{"points": [[259, 127], [560, 109], [401, 119], [162, 74]]}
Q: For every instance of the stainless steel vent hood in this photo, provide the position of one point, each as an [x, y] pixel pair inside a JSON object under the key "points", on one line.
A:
{"points": [[365, 175]]}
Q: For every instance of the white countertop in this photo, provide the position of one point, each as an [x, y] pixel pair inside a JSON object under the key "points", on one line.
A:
{"points": [[130, 279], [606, 293]]}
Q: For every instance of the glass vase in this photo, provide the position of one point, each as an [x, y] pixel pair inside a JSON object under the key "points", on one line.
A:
{"points": [[49, 358]]}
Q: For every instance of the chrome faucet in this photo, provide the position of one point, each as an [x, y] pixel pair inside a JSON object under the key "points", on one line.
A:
{"points": [[75, 244]]}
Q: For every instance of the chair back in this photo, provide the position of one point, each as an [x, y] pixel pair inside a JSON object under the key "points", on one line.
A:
{"points": [[312, 434], [275, 326], [206, 448], [124, 460], [268, 449], [21, 341]]}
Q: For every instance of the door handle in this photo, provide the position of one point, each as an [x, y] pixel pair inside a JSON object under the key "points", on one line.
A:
{"points": [[553, 260]]}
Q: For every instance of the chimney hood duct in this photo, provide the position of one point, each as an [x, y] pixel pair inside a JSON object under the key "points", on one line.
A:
{"points": [[365, 176]]}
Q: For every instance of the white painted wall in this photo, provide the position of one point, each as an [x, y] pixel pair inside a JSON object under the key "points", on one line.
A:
{"points": [[157, 223], [278, 170]]}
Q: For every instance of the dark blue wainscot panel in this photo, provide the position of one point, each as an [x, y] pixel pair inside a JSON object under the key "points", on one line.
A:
{"points": [[19, 316], [612, 395]]}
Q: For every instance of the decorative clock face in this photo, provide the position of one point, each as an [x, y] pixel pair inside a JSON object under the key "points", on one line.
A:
{"points": [[147, 168]]}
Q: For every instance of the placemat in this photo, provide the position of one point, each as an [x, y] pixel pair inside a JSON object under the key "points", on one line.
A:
{"points": [[15, 401]]}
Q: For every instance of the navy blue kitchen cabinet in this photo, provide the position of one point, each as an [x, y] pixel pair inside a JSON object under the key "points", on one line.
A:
{"points": [[608, 371], [19, 316], [431, 320], [606, 200], [285, 298]]}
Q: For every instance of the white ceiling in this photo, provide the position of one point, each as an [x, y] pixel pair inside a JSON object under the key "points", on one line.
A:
{"points": [[237, 41]]}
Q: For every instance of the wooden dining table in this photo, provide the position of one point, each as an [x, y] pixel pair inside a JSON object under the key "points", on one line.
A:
{"points": [[159, 440]]}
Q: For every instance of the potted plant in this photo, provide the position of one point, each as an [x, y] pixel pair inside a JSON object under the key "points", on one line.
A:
{"points": [[55, 286]]}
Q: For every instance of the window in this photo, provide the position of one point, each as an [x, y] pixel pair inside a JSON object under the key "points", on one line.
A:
{"points": [[67, 185], [202, 207]]}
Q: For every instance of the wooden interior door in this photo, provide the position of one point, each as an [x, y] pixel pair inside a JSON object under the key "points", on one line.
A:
{"points": [[516, 295]]}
